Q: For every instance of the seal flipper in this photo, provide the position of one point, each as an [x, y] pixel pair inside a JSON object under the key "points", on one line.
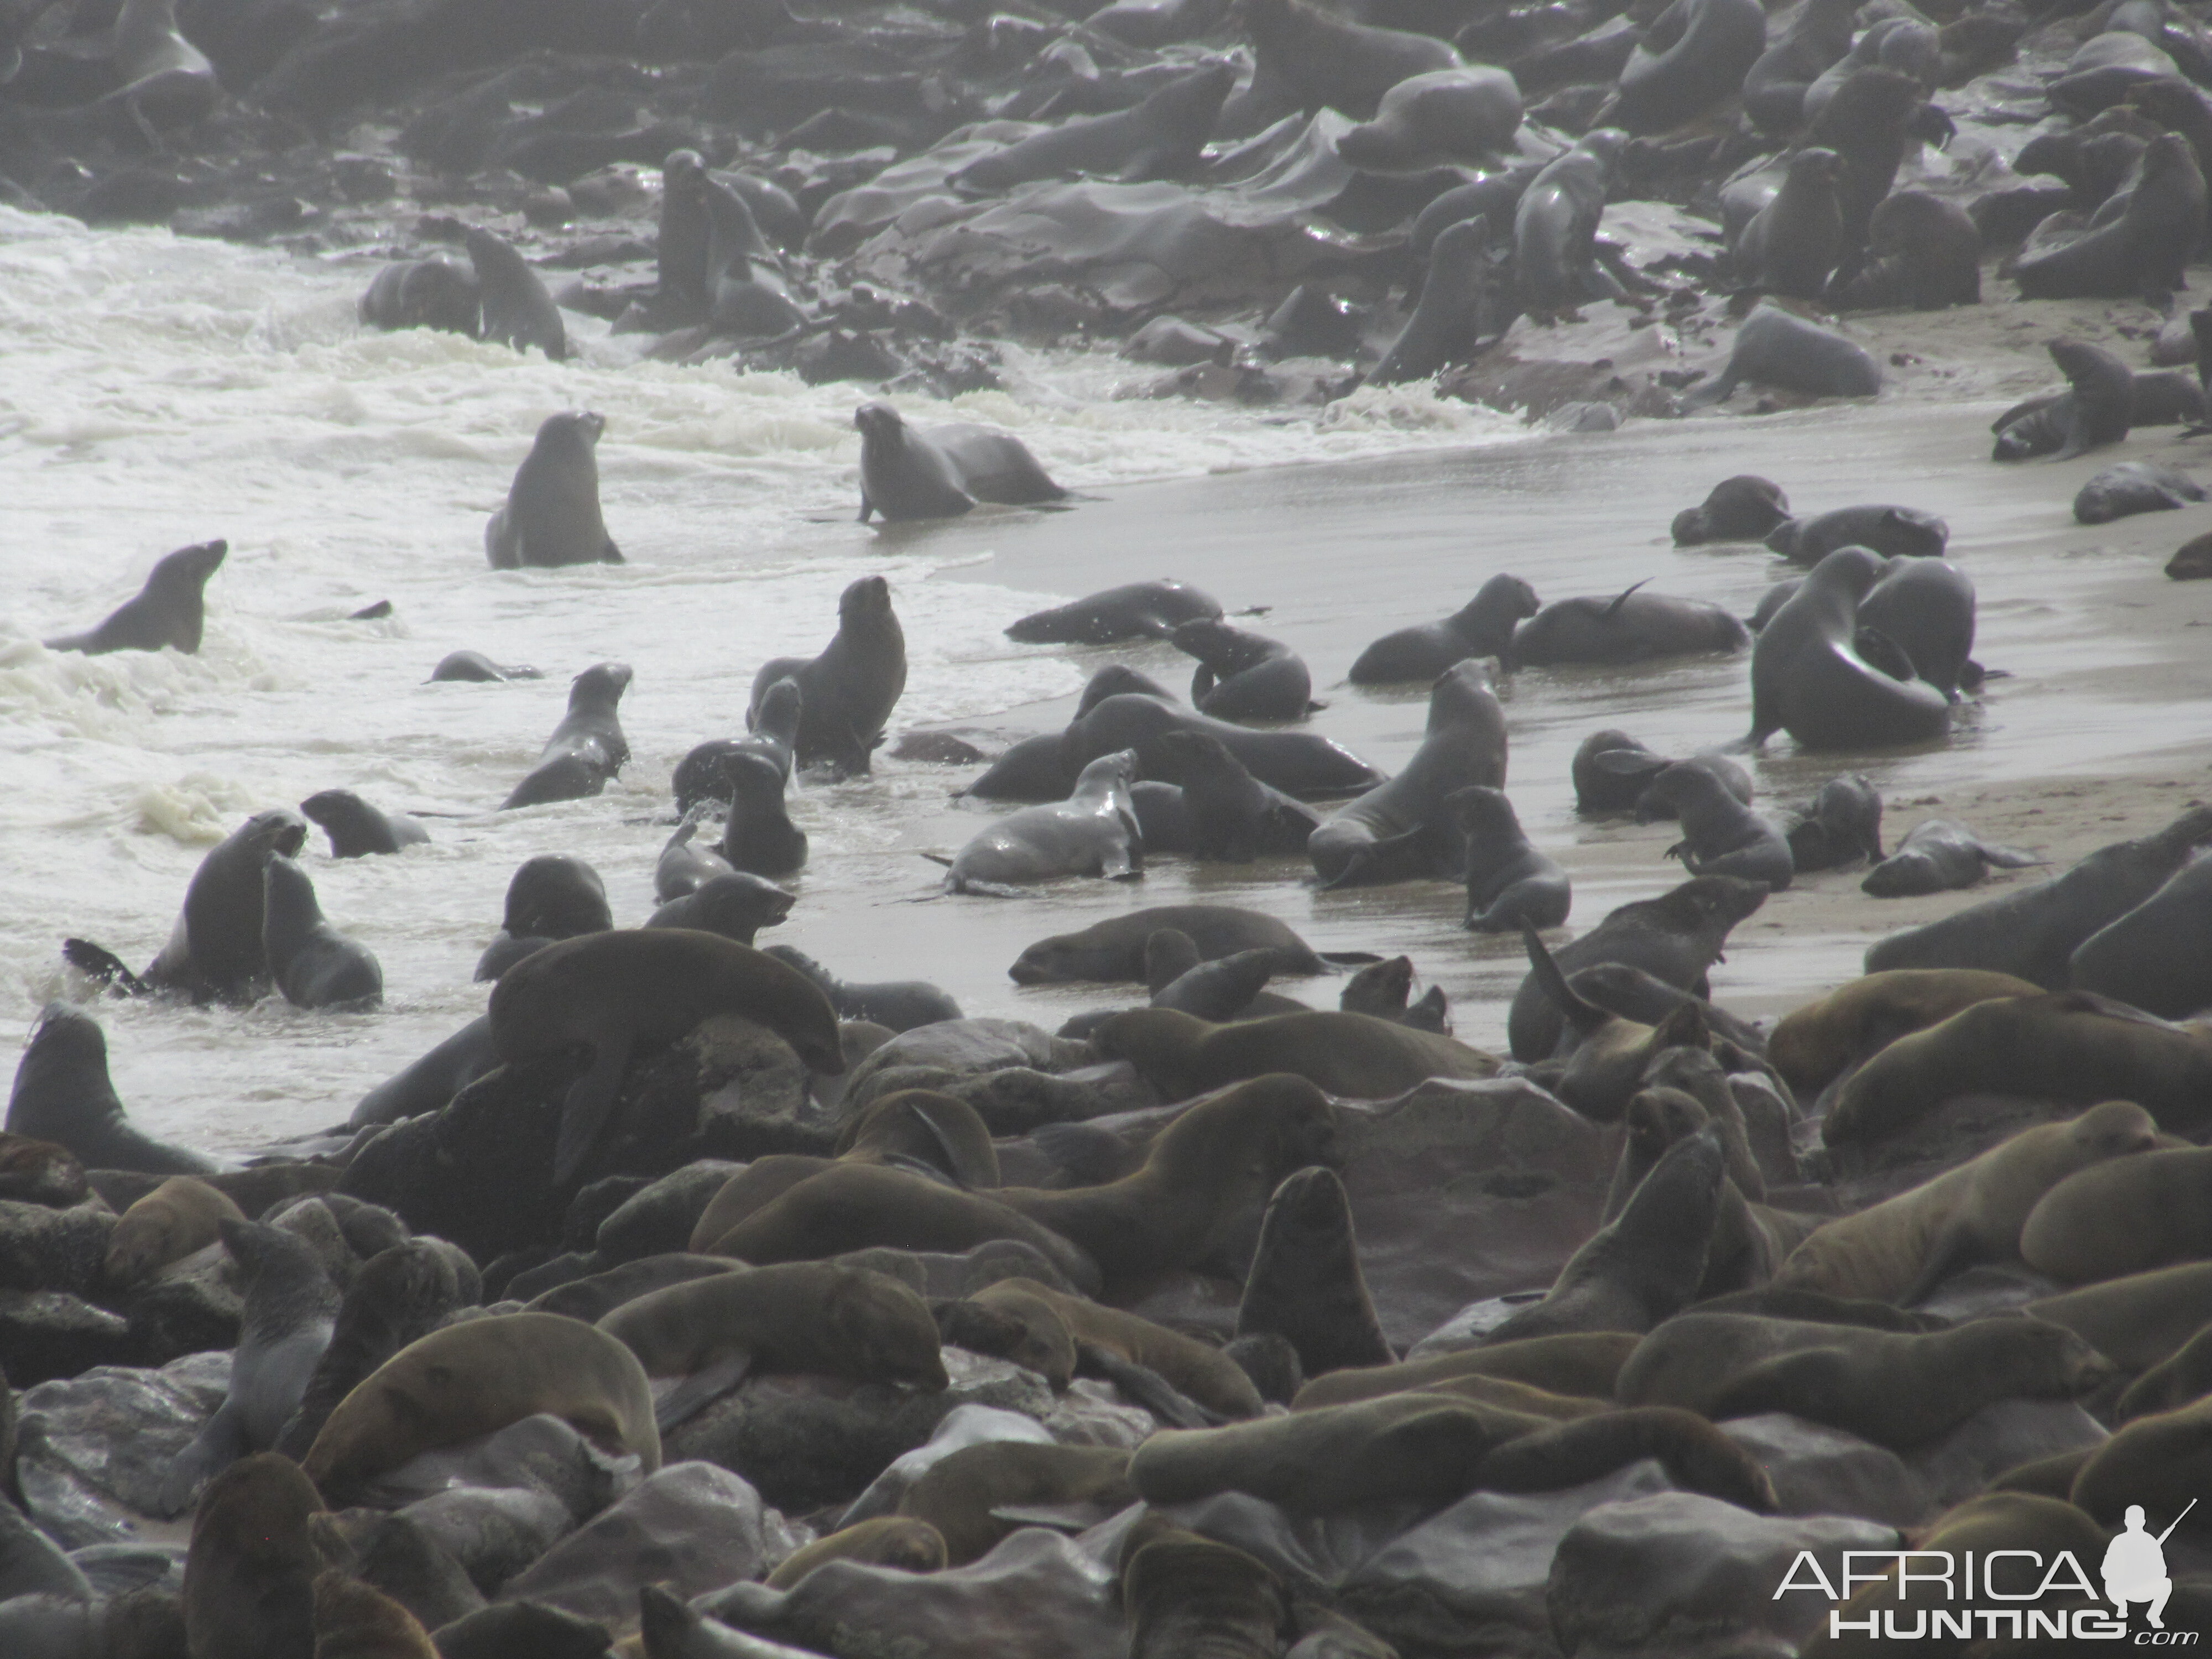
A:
{"points": [[105, 966], [1613, 610], [1579, 1012], [701, 1389], [1146, 1387], [2008, 858], [220, 1442], [590, 1103]]}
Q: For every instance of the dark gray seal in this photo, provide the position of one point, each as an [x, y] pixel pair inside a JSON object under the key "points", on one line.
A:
{"points": [[357, 828], [758, 837], [1113, 949], [1438, 118], [1508, 881], [1937, 855], [701, 775], [1242, 675], [517, 310], [1139, 610], [1925, 607], [1926, 255], [314, 965], [734, 904], [683, 865], [2096, 408], [2143, 252], [63, 1094], [1808, 677], [428, 1084], [1458, 312], [432, 293], [552, 511], [1791, 245], [1160, 138], [587, 748], [170, 610], [1555, 225], [1402, 830], [2033, 933], [1892, 532], [1612, 771], [1322, 61], [1300, 763], [475, 667], [550, 897], [1840, 825], [1481, 628], [1721, 835], [1744, 509], [745, 291], [2155, 956], [846, 694], [1228, 813], [1778, 347], [215, 951], [943, 472], [1695, 53], [898, 1005], [2133, 487], [1633, 626], [1305, 1285]]}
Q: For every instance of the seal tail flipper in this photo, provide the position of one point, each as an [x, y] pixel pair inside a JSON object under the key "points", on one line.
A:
{"points": [[590, 1103], [2010, 858], [701, 1389], [105, 966], [1579, 1012], [1613, 610]]}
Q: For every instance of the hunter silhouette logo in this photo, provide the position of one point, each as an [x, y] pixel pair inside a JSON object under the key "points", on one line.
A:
{"points": [[2134, 1566]]}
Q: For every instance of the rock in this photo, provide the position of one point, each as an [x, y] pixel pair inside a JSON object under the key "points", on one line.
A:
{"points": [[2002, 1435], [1818, 1470], [492, 1531], [118, 1569], [92, 1452], [747, 1094], [658, 1220], [965, 1047], [691, 1528], [43, 1249], [1092, 1413], [1676, 1568], [45, 1334], [192, 1306], [397, 1556], [961, 1427], [39, 1172], [579, 1227]]}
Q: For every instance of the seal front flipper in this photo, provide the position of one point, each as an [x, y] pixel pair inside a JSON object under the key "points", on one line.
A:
{"points": [[105, 966], [1146, 1387], [591, 1101], [220, 1442], [1583, 1014], [701, 1389], [2009, 858]]}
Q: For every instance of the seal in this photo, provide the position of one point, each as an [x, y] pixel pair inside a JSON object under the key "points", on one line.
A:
{"points": [[257, 1542], [1354, 1054], [885, 1540], [1925, 608], [587, 747], [1630, 627], [477, 1377], [1200, 1372], [1384, 988], [1136, 611], [356, 1621], [315, 966], [1895, 1389], [1401, 829], [745, 292], [758, 837], [623, 990], [2133, 1216], [1460, 309], [179, 1216], [1778, 347], [1555, 224], [814, 1317], [1242, 675], [1902, 1248], [1721, 836], [1869, 121], [1434, 119], [1695, 53], [1744, 509], [1808, 679], [683, 866], [1229, 815], [1509, 882], [1305, 1285], [516, 309], [2138, 1321], [1612, 771], [774, 737], [169, 611], [1322, 61], [1115, 949], [1299, 764], [2133, 487], [2033, 933], [63, 1094], [1939, 855], [1605, 1065], [522, 1630], [1580, 1365], [356, 829], [2142, 252], [1791, 245], [2154, 957], [476, 667], [1093, 833], [1187, 1593], [898, 1005], [1481, 628], [2171, 1384], [1811, 1046], [847, 693], [2156, 1463], [1159, 138], [1841, 825], [552, 511], [215, 951], [966, 1494], [1675, 937], [1891, 532], [551, 896], [432, 293], [942, 473], [1926, 255], [2068, 1046], [400, 1293]]}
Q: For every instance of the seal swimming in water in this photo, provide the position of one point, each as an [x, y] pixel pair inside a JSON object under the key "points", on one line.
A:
{"points": [[1303, 764], [551, 896], [62, 1094], [1483, 627], [432, 293], [552, 511], [517, 310], [774, 737], [621, 990], [1401, 829], [314, 964], [587, 747], [942, 473], [476, 667], [170, 610], [1508, 881], [356, 829], [1138, 611], [847, 693], [1093, 833]]}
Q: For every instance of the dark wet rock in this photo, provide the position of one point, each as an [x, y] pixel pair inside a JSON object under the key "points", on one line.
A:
{"points": [[960, 1428], [45, 1335], [579, 1227], [193, 1307], [963, 1048], [43, 1249], [94, 1451], [1818, 1470]]}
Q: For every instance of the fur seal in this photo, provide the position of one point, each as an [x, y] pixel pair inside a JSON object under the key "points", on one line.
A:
{"points": [[258, 1540], [683, 866], [1721, 836], [2172, 1383], [1481, 628], [1612, 771], [587, 747], [1555, 224], [745, 292], [169, 610], [1891, 532], [314, 965], [1458, 312], [1115, 949], [433, 293], [701, 775], [1243, 676], [1633, 626], [1811, 1045], [1305, 1285], [1605, 1065], [758, 837], [1808, 679], [1937, 855], [2107, 1223], [624, 990], [1841, 825], [1509, 882], [1778, 347], [1401, 829], [1925, 608], [551, 896], [2138, 1321], [1926, 255], [2133, 487], [1744, 509], [517, 310], [1582, 1364], [1093, 833], [1200, 1372], [846, 694], [400, 1293], [967, 1494], [885, 1540], [1438, 117], [1138, 611], [356, 829], [1159, 138], [2141, 252], [896, 1005], [1354, 1054], [1322, 61], [1791, 245], [1231, 816], [943, 472], [1185, 1593], [1300, 763], [2157, 1461], [63, 1094], [178, 1218], [1694, 54], [2033, 932], [2154, 957], [476, 667], [1675, 937], [2096, 409], [356, 1621], [1901, 1249], [2068, 1046], [552, 511], [1870, 122]]}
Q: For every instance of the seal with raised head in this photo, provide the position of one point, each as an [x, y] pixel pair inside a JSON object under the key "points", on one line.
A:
{"points": [[1323, 60], [169, 610], [1938, 854], [1791, 245], [847, 693], [552, 511], [62, 1094], [401, 1292], [1401, 829], [1841, 825], [1460, 308], [700, 775], [2097, 408], [684, 866], [1744, 509], [517, 310], [1243, 676], [1508, 881], [1610, 1052], [1633, 626], [625, 989], [1721, 836], [587, 747], [943, 472], [1555, 223], [2143, 251], [1092, 833], [1137, 611], [314, 965], [1808, 677], [758, 837], [357, 828], [735, 905], [1305, 1285], [1481, 628], [746, 295], [1229, 814]]}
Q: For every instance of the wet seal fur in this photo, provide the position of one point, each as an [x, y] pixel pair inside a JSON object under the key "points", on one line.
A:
{"points": [[1721, 835], [587, 748], [357, 828], [1243, 676], [1938, 855], [63, 1094], [1809, 677], [1483, 627], [1744, 509], [1305, 1285], [942, 473], [551, 516], [314, 965], [1137, 611], [1093, 833], [1401, 829], [1115, 949], [847, 693], [169, 611], [1509, 882]]}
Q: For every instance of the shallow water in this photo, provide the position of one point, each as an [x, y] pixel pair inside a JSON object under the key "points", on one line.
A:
{"points": [[155, 391]]}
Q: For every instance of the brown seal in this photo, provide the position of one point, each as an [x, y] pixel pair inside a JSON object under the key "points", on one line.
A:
{"points": [[258, 1540], [886, 1541], [2160, 1461], [628, 988], [1903, 1247], [1354, 1054], [1607, 1064], [353, 1620], [477, 1377], [2178, 1381], [1581, 1363], [2130, 1216], [1811, 1045], [965, 1494], [2138, 1321], [1305, 1285], [1115, 949], [181, 1215], [1201, 1373], [1749, 1240], [1184, 1594]]}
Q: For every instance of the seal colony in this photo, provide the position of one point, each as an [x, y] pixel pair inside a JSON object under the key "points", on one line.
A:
{"points": [[699, 1299]]}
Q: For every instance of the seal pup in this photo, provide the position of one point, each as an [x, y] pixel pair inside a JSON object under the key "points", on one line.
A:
{"points": [[476, 667], [215, 951], [2096, 408], [625, 989], [847, 693], [683, 867], [1137, 611], [1809, 677], [1509, 882], [63, 1094], [1840, 825], [943, 472], [758, 837], [1459, 310], [1721, 836], [552, 511], [315, 966], [258, 1540], [1744, 509], [550, 896], [477, 1377], [1401, 829], [1891, 532], [1938, 854], [2154, 957], [735, 905], [1481, 628], [2133, 487], [1630, 627], [356, 829], [969, 1496], [170, 610], [1305, 1285], [2141, 252], [1777, 348], [1231, 816], [516, 309], [1159, 138], [1242, 675], [587, 747], [1093, 833], [898, 1005]]}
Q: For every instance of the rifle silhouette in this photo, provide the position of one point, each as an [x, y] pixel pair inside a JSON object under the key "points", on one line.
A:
{"points": [[2168, 1533]]}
